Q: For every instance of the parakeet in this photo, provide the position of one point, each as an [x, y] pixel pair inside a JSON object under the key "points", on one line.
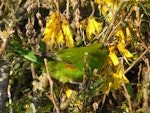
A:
{"points": [[67, 64], [71, 67]]}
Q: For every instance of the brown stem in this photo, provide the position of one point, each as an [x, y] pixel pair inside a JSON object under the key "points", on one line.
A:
{"points": [[67, 10], [110, 27], [145, 86], [103, 101], [4, 77], [135, 62], [51, 96], [138, 85], [4, 35], [84, 68], [5, 42], [126, 94]]}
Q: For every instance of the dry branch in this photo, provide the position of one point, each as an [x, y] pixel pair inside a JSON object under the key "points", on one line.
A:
{"points": [[51, 96]]}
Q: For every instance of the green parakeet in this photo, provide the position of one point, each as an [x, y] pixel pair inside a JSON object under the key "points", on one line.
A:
{"points": [[71, 67], [68, 64]]}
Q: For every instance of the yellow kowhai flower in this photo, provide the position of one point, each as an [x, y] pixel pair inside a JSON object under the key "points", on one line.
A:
{"points": [[68, 91], [26, 107], [60, 37], [119, 34], [114, 78], [97, 1], [53, 16], [68, 34], [118, 77], [113, 56], [93, 27], [90, 30], [128, 32], [4, 34], [56, 32], [107, 8], [123, 50]]}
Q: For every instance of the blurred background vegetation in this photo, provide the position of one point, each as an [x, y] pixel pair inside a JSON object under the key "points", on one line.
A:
{"points": [[45, 26]]}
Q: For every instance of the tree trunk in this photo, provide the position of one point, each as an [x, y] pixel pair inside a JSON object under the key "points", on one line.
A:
{"points": [[4, 75]]}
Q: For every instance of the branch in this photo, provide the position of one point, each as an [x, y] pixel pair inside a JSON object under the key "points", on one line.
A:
{"points": [[126, 94], [135, 62], [84, 68], [145, 86], [139, 83], [103, 102], [110, 27], [4, 77], [5, 42], [4, 35], [51, 96]]}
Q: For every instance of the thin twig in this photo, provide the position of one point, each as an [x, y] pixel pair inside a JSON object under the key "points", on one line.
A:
{"points": [[135, 62], [145, 86], [33, 71], [126, 94], [57, 3], [103, 102], [144, 46], [84, 68], [138, 85], [9, 96], [93, 9], [105, 38], [51, 96], [4, 35], [67, 10], [67, 102], [5, 42], [35, 84]]}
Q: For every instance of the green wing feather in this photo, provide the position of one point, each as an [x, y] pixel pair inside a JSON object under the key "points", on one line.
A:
{"points": [[75, 56]]}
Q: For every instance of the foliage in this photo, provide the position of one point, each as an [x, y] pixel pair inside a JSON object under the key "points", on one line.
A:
{"points": [[38, 36]]}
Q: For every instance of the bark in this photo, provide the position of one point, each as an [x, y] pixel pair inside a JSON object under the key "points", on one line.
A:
{"points": [[4, 75]]}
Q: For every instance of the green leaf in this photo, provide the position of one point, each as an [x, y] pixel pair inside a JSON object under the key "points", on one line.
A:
{"points": [[27, 54], [130, 90], [34, 58]]}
